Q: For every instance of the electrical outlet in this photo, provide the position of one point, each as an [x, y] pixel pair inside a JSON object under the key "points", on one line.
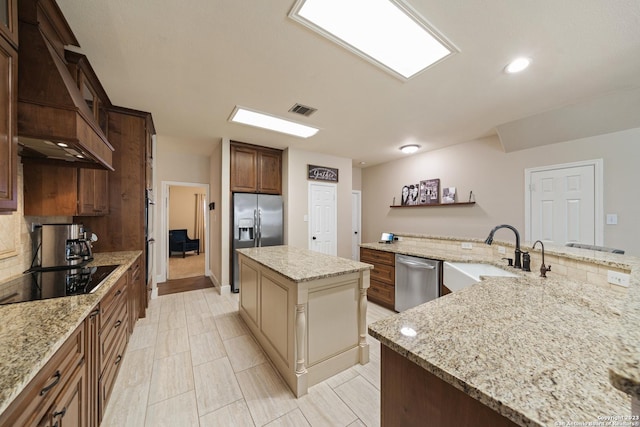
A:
{"points": [[617, 278], [502, 250], [466, 245]]}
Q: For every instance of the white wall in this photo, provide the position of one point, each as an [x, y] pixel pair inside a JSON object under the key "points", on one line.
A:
{"points": [[295, 194], [497, 180]]}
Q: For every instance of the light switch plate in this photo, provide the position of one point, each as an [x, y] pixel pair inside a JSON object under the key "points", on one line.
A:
{"points": [[612, 219], [502, 250], [617, 278]]}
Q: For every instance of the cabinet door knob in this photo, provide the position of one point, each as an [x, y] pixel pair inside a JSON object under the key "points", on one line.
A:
{"points": [[314, 237]]}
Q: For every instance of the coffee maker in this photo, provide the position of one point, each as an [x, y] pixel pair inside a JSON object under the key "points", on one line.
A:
{"points": [[60, 246]]}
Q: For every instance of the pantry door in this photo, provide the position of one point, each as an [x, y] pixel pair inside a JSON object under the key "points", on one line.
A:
{"points": [[322, 218], [564, 203]]}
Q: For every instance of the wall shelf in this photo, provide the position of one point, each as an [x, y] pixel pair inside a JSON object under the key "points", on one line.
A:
{"points": [[434, 204]]}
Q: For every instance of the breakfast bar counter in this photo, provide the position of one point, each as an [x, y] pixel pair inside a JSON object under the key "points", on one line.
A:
{"points": [[536, 351], [307, 310]]}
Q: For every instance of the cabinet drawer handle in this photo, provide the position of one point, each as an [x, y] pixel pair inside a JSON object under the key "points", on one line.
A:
{"points": [[61, 413], [118, 293], [94, 313], [118, 323], [118, 359], [45, 390]]}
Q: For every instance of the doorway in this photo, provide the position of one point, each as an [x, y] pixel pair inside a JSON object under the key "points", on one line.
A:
{"points": [[564, 203], [184, 208], [356, 224], [322, 218]]}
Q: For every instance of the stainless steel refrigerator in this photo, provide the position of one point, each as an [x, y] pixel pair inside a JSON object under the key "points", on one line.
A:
{"points": [[257, 221]]}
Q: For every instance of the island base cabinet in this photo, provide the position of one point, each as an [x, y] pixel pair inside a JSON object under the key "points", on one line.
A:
{"points": [[310, 330], [412, 396]]}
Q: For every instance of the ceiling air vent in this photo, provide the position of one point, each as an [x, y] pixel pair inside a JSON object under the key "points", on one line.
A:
{"points": [[302, 109]]}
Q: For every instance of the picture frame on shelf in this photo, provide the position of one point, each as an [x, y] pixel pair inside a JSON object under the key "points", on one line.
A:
{"points": [[449, 195], [430, 191], [410, 195]]}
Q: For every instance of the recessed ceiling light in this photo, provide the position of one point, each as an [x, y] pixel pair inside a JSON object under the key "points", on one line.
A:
{"points": [[388, 33], [266, 121], [410, 148], [61, 144], [517, 65]]}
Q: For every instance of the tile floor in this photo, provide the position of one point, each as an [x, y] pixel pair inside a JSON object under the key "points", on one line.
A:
{"points": [[193, 362]]}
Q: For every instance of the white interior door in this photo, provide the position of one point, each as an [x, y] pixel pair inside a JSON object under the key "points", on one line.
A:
{"points": [[322, 218], [356, 219], [564, 204]]}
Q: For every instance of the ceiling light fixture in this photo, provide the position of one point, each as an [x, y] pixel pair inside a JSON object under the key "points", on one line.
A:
{"points": [[410, 148], [266, 121], [61, 144], [517, 65], [388, 33]]}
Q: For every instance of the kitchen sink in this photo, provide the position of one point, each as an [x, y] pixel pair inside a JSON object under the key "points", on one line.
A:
{"points": [[459, 275]]}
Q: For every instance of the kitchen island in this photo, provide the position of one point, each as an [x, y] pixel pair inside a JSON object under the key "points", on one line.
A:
{"points": [[306, 309], [526, 351]]}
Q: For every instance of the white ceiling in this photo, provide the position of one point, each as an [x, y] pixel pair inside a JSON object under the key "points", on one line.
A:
{"points": [[189, 64]]}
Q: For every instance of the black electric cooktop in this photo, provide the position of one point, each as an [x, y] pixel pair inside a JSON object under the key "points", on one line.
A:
{"points": [[46, 284]]}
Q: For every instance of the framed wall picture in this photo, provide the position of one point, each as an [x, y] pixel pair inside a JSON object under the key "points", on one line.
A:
{"points": [[322, 173], [430, 189], [449, 195]]}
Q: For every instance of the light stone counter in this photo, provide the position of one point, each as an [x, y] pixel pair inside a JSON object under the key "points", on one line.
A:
{"points": [[302, 265], [31, 332], [538, 351]]}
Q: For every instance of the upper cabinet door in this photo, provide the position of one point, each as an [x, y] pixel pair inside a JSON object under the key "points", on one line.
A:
{"points": [[244, 169], [9, 20], [8, 138]]}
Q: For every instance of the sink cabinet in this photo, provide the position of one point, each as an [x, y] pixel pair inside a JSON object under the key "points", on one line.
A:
{"points": [[383, 276]]}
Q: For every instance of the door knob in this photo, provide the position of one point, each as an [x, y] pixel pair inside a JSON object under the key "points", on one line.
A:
{"points": [[314, 237]]}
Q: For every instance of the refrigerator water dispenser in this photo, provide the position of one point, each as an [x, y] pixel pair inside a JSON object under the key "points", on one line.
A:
{"points": [[245, 229]]}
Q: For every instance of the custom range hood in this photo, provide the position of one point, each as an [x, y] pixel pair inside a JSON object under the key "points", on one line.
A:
{"points": [[55, 121]]}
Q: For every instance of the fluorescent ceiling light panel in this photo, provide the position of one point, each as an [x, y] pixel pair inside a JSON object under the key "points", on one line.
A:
{"points": [[386, 32], [262, 120]]}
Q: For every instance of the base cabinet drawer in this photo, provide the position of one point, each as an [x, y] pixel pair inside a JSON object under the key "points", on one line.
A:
{"points": [[108, 378], [33, 405], [381, 293]]}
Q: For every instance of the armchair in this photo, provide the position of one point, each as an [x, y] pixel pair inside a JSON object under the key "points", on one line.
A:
{"points": [[180, 242]]}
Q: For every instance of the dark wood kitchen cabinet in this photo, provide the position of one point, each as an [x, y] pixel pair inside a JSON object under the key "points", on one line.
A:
{"points": [[113, 336], [60, 384], [8, 105], [137, 293], [50, 189], [9, 21], [383, 276], [123, 229], [255, 169], [90, 87]]}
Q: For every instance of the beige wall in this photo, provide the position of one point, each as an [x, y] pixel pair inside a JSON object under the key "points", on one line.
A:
{"points": [[182, 207], [356, 176], [497, 180], [215, 223], [295, 192], [176, 162]]}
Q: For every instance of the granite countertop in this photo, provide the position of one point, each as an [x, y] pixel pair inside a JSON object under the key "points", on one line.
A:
{"points": [[31, 332], [536, 351], [302, 265], [624, 368]]}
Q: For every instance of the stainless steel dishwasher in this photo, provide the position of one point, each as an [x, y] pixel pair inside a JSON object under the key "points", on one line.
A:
{"points": [[417, 281]]}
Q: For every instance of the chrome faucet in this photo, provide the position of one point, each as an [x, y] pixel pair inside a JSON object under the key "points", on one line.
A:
{"points": [[543, 268], [518, 252]]}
